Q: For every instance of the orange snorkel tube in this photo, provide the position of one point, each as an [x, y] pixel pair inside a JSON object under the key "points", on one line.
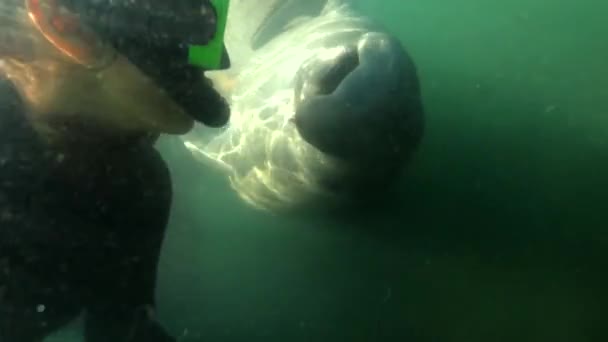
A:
{"points": [[69, 35]]}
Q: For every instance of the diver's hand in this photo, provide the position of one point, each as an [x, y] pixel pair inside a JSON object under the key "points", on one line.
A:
{"points": [[195, 93], [206, 105], [119, 98]]}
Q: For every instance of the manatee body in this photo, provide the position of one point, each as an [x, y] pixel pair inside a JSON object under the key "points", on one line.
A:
{"points": [[326, 106]]}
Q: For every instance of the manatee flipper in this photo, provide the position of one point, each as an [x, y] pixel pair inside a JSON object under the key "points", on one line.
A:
{"points": [[281, 14]]}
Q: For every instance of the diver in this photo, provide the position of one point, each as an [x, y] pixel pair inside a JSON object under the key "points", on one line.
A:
{"points": [[86, 88]]}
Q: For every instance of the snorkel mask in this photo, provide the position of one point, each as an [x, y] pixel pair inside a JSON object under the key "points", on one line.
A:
{"points": [[172, 42]]}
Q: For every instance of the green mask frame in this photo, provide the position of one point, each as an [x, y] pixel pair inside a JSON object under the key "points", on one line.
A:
{"points": [[210, 56]]}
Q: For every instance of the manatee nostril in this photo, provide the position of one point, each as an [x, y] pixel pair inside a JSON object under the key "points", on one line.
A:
{"points": [[337, 72], [321, 75]]}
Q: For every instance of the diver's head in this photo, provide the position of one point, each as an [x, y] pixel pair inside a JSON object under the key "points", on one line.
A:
{"points": [[171, 42], [360, 101]]}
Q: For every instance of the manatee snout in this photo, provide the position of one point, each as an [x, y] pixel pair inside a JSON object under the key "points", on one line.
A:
{"points": [[360, 100]]}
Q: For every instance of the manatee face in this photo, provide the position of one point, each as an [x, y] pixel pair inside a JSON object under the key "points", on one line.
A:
{"points": [[361, 100], [326, 107]]}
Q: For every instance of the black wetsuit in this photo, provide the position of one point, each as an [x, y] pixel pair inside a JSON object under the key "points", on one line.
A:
{"points": [[80, 231]]}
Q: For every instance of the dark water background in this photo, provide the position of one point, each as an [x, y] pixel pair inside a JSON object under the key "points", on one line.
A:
{"points": [[502, 232]]}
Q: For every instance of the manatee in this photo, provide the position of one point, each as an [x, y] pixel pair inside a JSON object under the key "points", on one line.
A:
{"points": [[326, 106]]}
